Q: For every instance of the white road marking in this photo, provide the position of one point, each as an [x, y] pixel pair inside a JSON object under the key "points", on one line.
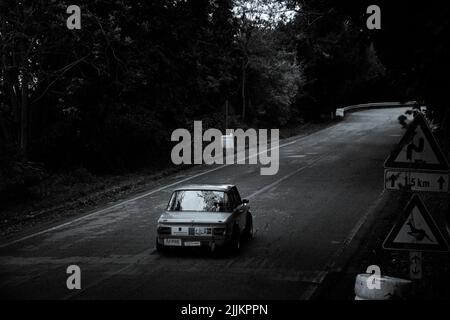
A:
{"points": [[308, 293], [7, 244], [297, 156], [269, 186], [317, 278], [144, 254], [233, 267], [332, 262], [333, 259]]}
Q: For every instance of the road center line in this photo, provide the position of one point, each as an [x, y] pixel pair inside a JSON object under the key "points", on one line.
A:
{"points": [[7, 244], [267, 187]]}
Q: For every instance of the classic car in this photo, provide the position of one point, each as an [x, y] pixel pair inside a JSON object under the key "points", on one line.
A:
{"points": [[205, 216]]}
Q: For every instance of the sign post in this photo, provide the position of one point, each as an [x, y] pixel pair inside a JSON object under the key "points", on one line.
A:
{"points": [[415, 265], [417, 164]]}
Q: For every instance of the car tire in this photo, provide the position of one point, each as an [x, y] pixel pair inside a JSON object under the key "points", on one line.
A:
{"points": [[248, 231], [235, 244], [160, 247]]}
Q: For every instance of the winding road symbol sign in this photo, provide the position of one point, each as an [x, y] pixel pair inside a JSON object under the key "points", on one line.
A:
{"points": [[418, 149], [416, 230]]}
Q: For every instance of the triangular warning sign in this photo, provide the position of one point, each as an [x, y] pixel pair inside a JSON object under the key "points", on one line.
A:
{"points": [[418, 149], [416, 230]]}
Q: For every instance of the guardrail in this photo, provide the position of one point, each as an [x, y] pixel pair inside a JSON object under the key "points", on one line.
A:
{"points": [[340, 112]]}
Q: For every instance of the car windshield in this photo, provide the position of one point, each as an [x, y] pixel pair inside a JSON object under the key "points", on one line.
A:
{"points": [[199, 200]]}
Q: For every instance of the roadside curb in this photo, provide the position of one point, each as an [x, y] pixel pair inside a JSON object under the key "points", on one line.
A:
{"points": [[340, 261]]}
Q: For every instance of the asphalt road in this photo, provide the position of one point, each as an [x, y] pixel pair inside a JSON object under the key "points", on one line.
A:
{"points": [[303, 216]]}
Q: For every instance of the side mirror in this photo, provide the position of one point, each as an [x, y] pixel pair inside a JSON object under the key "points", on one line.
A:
{"points": [[245, 201]]}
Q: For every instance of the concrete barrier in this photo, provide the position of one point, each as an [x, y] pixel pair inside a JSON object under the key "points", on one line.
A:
{"points": [[390, 288], [340, 112]]}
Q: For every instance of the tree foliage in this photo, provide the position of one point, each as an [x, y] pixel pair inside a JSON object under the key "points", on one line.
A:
{"points": [[107, 97]]}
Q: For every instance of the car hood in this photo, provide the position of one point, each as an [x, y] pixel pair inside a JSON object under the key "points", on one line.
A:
{"points": [[194, 217]]}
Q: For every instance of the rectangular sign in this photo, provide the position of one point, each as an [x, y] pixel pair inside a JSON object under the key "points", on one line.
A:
{"points": [[192, 244], [395, 179], [172, 242]]}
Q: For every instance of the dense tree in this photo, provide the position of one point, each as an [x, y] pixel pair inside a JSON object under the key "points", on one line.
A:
{"points": [[406, 60], [270, 76], [107, 97], [340, 62]]}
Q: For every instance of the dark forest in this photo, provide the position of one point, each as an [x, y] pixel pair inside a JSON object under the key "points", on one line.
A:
{"points": [[106, 98]]}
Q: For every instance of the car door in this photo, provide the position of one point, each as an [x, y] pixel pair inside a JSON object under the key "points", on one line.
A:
{"points": [[235, 207], [240, 208]]}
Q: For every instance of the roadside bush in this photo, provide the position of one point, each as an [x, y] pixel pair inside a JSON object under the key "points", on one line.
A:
{"points": [[16, 176]]}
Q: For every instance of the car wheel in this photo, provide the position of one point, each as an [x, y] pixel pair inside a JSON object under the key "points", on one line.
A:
{"points": [[249, 226], [236, 240], [160, 247]]}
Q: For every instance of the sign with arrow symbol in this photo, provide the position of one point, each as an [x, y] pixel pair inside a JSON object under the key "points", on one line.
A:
{"points": [[415, 265], [416, 230], [416, 180]]}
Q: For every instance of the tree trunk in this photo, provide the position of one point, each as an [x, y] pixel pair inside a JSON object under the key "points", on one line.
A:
{"points": [[24, 116], [10, 73], [5, 131]]}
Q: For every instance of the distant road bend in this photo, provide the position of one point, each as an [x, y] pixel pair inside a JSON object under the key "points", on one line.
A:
{"points": [[303, 216]]}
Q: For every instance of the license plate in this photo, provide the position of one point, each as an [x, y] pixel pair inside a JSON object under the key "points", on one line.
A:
{"points": [[172, 242], [200, 231], [192, 243], [180, 231]]}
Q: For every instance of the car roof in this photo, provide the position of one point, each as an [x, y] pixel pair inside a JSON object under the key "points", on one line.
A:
{"points": [[212, 187]]}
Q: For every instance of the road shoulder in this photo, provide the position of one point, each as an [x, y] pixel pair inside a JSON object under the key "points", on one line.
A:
{"points": [[366, 249]]}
